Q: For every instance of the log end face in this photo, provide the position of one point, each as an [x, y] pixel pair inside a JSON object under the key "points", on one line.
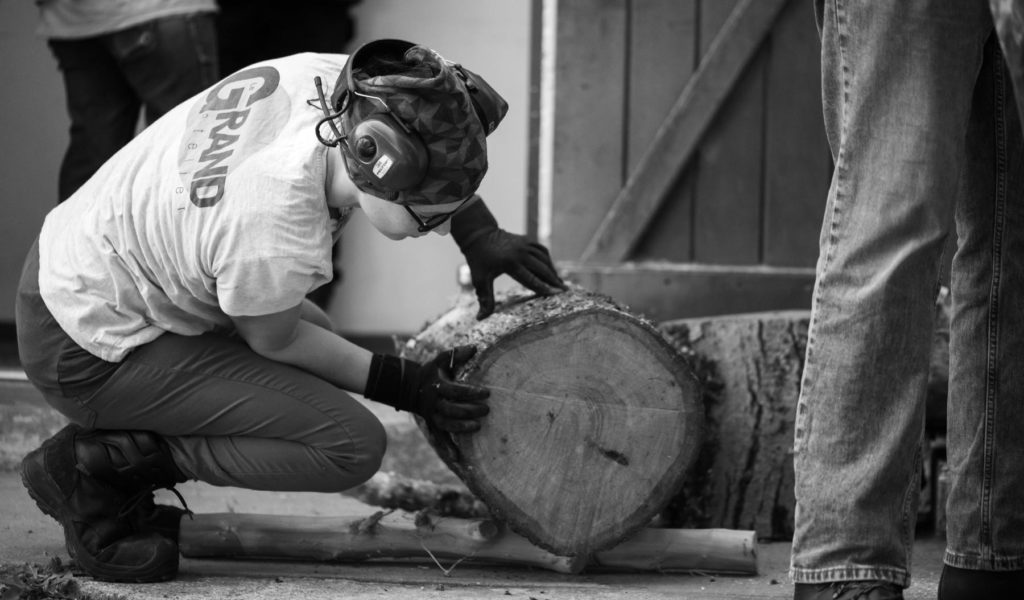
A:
{"points": [[594, 421]]}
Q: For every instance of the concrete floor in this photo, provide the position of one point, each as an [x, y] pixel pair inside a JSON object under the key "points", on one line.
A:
{"points": [[26, 535], [29, 536]]}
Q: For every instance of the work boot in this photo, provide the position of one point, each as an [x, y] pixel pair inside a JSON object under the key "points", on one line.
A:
{"points": [[968, 584], [136, 463], [159, 518], [848, 590], [105, 540]]}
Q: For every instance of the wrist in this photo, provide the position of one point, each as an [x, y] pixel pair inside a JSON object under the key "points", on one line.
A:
{"points": [[472, 223], [391, 380]]}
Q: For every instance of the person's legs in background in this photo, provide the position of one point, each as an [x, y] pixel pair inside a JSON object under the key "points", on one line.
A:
{"points": [[109, 78], [101, 105], [985, 521], [897, 80], [1008, 16], [167, 61], [250, 31]]}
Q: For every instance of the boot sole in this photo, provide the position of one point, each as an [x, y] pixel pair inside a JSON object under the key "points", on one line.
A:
{"points": [[41, 488]]}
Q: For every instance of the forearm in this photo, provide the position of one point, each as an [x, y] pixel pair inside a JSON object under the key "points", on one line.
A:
{"points": [[472, 222], [324, 354]]}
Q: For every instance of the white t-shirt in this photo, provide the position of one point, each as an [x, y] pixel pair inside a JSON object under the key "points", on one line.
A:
{"points": [[216, 209]]}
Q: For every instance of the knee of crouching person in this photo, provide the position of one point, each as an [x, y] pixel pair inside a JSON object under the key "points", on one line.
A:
{"points": [[362, 459]]}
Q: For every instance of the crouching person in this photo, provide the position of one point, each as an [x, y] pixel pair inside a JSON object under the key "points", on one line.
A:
{"points": [[163, 311]]}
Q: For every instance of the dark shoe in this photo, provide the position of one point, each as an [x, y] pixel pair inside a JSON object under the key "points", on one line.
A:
{"points": [[103, 543], [127, 460], [159, 518], [848, 590], [135, 463], [968, 584]]}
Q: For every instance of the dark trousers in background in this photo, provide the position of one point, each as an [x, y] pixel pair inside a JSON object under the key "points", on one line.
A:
{"points": [[110, 78], [251, 31]]}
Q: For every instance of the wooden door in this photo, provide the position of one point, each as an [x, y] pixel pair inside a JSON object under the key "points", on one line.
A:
{"points": [[681, 162]]}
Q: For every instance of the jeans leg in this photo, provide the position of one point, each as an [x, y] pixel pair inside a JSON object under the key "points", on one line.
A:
{"points": [[101, 105], [1009, 20], [168, 60], [897, 77], [234, 418], [985, 450]]}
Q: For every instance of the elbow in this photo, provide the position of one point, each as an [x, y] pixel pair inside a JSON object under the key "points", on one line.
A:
{"points": [[275, 349]]}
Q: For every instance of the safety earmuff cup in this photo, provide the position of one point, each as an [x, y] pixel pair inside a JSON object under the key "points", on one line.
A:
{"points": [[380, 147], [386, 154]]}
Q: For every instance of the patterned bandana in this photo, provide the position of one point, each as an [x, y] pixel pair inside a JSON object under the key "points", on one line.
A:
{"points": [[430, 98]]}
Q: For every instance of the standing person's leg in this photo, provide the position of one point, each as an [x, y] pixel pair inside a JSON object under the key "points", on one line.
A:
{"points": [[244, 32], [897, 79], [167, 60], [1009, 21], [101, 105], [985, 445]]}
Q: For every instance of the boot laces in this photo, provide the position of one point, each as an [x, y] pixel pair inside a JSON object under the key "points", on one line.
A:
{"points": [[146, 493]]}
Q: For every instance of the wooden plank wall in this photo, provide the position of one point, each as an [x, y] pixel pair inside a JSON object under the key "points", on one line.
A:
{"points": [[589, 118], [661, 60], [754, 192], [727, 216]]}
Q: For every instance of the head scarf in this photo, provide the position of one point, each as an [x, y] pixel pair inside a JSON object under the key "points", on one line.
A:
{"points": [[428, 94]]}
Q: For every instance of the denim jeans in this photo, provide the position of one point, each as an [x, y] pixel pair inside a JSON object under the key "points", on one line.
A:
{"points": [[922, 124], [230, 416], [1009, 20], [109, 78]]}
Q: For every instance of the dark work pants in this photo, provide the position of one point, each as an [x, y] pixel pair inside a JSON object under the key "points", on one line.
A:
{"points": [[230, 416]]}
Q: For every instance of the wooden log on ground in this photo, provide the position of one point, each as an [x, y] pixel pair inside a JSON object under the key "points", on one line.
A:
{"points": [[720, 551], [353, 539], [594, 419], [422, 537], [750, 366]]}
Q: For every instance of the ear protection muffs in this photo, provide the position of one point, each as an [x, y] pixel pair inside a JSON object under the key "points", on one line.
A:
{"points": [[383, 153]]}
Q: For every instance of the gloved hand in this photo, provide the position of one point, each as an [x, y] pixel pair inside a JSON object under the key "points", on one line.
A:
{"points": [[429, 390], [491, 251]]}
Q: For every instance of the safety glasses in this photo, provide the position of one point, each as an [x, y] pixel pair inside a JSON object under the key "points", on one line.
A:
{"points": [[433, 221]]}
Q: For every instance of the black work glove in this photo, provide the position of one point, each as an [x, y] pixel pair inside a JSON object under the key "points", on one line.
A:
{"points": [[429, 390], [491, 251]]}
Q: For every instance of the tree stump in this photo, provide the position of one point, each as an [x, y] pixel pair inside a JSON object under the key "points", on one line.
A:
{"points": [[594, 418], [750, 366]]}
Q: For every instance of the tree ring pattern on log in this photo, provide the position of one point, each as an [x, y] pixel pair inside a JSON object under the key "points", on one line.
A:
{"points": [[594, 419]]}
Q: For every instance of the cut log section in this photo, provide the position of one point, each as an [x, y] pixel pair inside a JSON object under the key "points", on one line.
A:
{"points": [[594, 419], [750, 367]]}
